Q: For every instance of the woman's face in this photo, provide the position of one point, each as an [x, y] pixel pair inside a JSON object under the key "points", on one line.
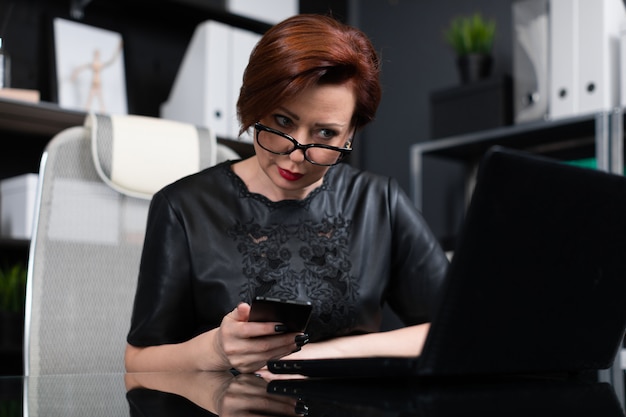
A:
{"points": [[320, 114]]}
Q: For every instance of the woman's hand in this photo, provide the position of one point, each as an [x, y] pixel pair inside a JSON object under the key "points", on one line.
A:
{"points": [[237, 343], [247, 346], [247, 395]]}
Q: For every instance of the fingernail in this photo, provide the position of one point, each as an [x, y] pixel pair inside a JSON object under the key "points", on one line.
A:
{"points": [[302, 339], [298, 349], [301, 408], [280, 328]]}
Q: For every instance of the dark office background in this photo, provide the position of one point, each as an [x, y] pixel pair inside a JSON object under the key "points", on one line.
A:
{"points": [[417, 62], [408, 34]]}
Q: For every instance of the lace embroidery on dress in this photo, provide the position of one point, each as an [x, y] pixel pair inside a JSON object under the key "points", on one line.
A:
{"points": [[302, 260]]}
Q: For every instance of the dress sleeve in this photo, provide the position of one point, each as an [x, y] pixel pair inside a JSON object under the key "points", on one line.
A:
{"points": [[419, 264], [163, 306]]}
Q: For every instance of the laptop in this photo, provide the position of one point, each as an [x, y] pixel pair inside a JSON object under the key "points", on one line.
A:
{"points": [[537, 283]]}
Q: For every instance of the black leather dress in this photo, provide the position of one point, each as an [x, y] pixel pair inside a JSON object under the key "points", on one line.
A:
{"points": [[353, 244]]}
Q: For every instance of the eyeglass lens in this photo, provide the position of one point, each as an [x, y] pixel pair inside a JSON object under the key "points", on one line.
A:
{"points": [[279, 144]]}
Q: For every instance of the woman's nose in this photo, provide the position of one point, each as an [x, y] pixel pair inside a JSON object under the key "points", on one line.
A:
{"points": [[297, 155]]}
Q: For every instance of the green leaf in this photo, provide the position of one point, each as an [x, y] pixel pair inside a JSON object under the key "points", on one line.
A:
{"points": [[471, 34], [13, 288]]}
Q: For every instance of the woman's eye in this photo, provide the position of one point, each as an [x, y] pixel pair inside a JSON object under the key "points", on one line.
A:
{"points": [[282, 121], [327, 134]]}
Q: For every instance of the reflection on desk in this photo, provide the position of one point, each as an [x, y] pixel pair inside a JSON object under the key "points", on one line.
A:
{"points": [[224, 394], [484, 398]]}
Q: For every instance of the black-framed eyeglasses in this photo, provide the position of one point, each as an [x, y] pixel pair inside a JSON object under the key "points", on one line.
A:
{"points": [[280, 143]]}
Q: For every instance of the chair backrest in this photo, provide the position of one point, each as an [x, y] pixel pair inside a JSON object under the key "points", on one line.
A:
{"points": [[95, 185]]}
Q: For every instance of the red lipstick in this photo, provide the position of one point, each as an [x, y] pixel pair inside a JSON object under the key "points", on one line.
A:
{"points": [[288, 175]]}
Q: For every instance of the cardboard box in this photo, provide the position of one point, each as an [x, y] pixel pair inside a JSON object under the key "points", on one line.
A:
{"points": [[17, 206]]}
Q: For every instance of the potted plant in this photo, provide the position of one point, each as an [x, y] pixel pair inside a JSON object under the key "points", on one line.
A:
{"points": [[12, 298], [471, 38]]}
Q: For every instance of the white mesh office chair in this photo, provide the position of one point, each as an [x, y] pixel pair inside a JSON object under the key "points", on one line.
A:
{"points": [[95, 185]]}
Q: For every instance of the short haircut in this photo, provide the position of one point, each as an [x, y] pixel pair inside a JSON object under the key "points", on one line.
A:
{"points": [[306, 50]]}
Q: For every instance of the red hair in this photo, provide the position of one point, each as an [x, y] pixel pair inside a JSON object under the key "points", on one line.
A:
{"points": [[305, 50]]}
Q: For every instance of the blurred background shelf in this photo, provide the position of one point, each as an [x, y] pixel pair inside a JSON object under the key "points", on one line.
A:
{"points": [[597, 136]]}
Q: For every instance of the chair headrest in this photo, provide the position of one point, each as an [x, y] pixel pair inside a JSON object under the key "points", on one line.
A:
{"points": [[139, 155]]}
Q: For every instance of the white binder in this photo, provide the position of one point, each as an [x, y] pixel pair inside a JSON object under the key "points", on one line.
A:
{"points": [[530, 60], [270, 11], [599, 23], [206, 87], [622, 78], [563, 62]]}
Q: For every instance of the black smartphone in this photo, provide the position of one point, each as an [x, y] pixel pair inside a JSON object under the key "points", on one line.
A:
{"points": [[294, 314]]}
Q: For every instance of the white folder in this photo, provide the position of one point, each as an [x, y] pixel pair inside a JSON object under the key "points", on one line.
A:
{"points": [[622, 78], [207, 84], [563, 59], [270, 11], [200, 91], [530, 59], [599, 23]]}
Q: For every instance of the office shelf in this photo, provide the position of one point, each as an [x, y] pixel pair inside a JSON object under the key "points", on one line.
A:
{"points": [[592, 135], [42, 118], [47, 119]]}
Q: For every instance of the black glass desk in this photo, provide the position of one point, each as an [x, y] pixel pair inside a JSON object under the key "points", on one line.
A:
{"points": [[208, 394]]}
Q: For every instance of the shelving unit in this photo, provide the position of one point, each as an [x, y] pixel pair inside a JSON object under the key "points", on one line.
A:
{"points": [[593, 135], [565, 139]]}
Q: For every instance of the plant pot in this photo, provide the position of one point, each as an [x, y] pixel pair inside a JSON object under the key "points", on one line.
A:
{"points": [[474, 67]]}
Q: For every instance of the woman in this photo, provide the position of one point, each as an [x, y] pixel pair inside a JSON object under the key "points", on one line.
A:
{"points": [[290, 222]]}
